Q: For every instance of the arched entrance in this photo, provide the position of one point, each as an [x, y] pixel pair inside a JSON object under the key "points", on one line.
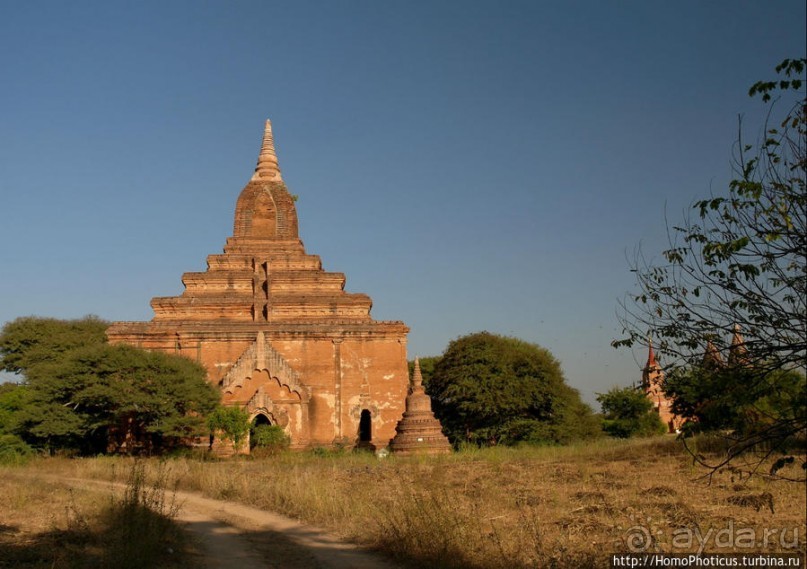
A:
{"points": [[260, 419], [365, 427]]}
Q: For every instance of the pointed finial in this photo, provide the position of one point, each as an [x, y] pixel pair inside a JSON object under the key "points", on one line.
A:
{"points": [[711, 356], [738, 354], [651, 356], [737, 340], [267, 168], [417, 378]]}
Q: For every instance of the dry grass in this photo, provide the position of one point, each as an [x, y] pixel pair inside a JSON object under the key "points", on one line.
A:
{"points": [[545, 507], [47, 524]]}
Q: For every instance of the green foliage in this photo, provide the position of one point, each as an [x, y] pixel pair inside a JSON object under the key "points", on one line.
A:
{"points": [[629, 413], [736, 399], [13, 398], [790, 68], [105, 394], [783, 399], [82, 394], [230, 423], [13, 450], [268, 440], [738, 258], [490, 389], [31, 340]]}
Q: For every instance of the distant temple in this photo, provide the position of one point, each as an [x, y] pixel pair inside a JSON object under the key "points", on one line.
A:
{"points": [[738, 353], [653, 375], [278, 334], [652, 383]]}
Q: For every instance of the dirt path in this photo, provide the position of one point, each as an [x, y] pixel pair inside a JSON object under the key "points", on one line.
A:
{"points": [[232, 535]]}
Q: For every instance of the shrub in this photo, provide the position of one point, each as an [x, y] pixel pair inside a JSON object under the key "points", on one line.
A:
{"points": [[269, 440], [13, 450], [629, 413], [229, 423]]}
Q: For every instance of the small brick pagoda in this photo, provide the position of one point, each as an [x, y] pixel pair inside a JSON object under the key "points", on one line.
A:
{"points": [[419, 432], [278, 334]]}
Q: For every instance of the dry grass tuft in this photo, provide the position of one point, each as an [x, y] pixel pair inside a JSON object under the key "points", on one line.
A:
{"points": [[679, 515], [48, 524], [661, 491], [753, 501]]}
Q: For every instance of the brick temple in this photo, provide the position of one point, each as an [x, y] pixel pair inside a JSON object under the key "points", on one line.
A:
{"points": [[278, 334]]}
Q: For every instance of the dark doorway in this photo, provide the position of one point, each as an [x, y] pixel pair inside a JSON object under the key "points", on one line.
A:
{"points": [[257, 422], [365, 427]]}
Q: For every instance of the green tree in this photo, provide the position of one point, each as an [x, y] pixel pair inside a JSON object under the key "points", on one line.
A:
{"points": [[31, 340], [739, 259], [118, 396], [490, 389], [231, 424], [83, 394], [627, 412]]}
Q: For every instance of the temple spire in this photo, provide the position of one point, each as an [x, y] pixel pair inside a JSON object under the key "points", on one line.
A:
{"points": [[417, 378], [652, 373], [738, 354], [737, 337], [711, 357], [651, 355], [267, 168]]}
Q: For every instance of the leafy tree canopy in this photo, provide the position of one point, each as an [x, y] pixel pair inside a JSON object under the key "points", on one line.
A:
{"points": [[30, 340], [81, 393], [122, 391], [490, 389], [629, 413]]}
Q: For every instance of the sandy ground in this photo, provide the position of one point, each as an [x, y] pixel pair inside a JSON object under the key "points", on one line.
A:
{"points": [[231, 535]]}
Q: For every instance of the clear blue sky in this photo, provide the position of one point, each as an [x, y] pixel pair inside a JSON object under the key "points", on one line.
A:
{"points": [[469, 165]]}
